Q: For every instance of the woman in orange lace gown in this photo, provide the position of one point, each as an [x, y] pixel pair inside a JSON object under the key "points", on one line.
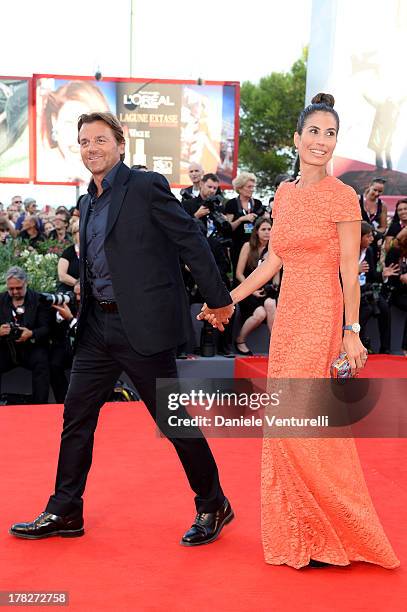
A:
{"points": [[315, 502]]}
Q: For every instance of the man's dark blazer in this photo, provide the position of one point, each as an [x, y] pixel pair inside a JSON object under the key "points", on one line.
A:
{"points": [[147, 232], [36, 316]]}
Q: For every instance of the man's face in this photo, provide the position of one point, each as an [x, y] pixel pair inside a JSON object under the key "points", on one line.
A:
{"points": [[16, 288], [16, 203], [375, 191], [366, 240], [208, 189], [195, 173], [99, 149]]}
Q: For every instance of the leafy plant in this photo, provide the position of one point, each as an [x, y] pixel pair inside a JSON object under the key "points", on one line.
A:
{"points": [[41, 267], [269, 112]]}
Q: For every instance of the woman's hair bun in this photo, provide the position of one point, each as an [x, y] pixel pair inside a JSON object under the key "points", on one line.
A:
{"points": [[323, 98]]}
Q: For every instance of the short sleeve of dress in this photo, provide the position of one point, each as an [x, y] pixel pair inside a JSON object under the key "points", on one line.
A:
{"points": [[345, 205]]}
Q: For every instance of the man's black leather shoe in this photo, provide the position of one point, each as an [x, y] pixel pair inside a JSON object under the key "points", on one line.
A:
{"points": [[47, 525], [207, 526]]}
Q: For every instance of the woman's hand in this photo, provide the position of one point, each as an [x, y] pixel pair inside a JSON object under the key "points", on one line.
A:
{"points": [[356, 352]]}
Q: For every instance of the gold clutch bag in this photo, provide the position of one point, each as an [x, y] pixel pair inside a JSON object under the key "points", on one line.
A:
{"points": [[340, 368]]}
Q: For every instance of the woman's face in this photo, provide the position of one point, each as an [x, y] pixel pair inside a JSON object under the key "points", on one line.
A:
{"points": [[248, 189], [402, 212], [60, 221], [48, 227], [4, 234], [317, 142], [264, 232], [65, 127]]}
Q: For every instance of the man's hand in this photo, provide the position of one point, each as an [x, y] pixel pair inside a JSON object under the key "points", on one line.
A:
{"points": [[4, 329], [403, 278], [201, 212], [216, 316], [26, 335], [64, 311], [363, 267]]}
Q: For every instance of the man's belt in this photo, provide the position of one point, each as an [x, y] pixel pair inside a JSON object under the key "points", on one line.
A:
{"points": [[107, 306]]}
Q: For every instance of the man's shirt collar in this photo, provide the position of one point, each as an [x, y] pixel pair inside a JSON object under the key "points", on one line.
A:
{"points": [[107, 182]]}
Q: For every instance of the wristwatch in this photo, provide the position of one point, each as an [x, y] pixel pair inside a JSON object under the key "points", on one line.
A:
{"points": [[355, 327]]}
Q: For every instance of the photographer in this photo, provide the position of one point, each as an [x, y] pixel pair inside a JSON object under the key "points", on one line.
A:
{"points": [[242, 212], [63, 330], [373, 295], [208, 211], [24, 330]]}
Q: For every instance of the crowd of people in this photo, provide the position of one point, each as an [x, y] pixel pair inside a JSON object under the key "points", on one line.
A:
{"points": [[39, 335]]}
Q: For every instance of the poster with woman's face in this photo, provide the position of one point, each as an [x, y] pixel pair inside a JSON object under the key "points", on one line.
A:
{"points": [[59, 104], [14, 128]]}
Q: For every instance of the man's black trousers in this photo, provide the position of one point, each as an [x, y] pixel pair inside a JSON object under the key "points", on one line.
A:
{"points": [[104, 352]]}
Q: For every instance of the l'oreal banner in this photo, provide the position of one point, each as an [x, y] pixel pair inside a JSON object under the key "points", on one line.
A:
{"points": [[167, 125]]}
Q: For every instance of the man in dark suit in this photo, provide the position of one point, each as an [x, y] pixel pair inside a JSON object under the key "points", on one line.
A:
{"points": [[133, 314], [24, 330]]}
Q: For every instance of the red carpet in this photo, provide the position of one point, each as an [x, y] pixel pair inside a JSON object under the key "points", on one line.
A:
{"points": [[138, 504]]}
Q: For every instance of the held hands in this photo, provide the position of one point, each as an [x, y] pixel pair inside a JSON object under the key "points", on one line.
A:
{"points": [[216, 316], [356, 352]]}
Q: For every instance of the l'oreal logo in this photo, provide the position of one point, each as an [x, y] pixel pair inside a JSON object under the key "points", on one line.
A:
{"points": [[146, 99]]}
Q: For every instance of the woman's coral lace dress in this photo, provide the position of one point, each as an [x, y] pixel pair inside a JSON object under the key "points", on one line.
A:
{"points": [[315, 503]]}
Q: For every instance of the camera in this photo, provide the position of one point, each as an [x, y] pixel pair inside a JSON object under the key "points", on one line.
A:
{"points": [[222, 225], [57, 299], [15, 331]]}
